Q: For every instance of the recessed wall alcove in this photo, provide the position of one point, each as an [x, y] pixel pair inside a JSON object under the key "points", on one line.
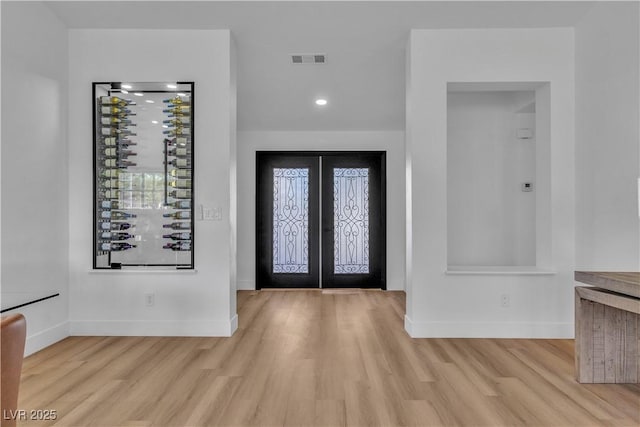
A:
{"points": [[497, 177]]}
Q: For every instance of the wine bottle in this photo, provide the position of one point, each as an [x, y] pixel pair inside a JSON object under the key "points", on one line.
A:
{"points": [[111, 183], [179, 152], [118, 163], [178, 215], [111, 194], [178, 246], [179, 141], [178, 121], [112, 141], [110, 173], [110, 120], [117, 215], [115, 226], [115, 152], [178, 109], [114, 100], [109, 235], [180, 194], [122, 126], [180, 130], [114, 131], [178, 225], [178, 236], [180, 183], [180, 173], [181, 163], [110, 204], [118, 246], [181, 204], [115, 184], [115, 111], [178, 100]]}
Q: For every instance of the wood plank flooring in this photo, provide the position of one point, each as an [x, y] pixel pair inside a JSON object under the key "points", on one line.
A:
{"points": [[318, 358]]}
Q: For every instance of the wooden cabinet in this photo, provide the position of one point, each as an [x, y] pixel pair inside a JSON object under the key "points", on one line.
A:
{"points": [[607, 322]]}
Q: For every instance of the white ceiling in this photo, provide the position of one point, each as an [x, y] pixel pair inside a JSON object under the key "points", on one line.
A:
{"points": [[364, 77]]}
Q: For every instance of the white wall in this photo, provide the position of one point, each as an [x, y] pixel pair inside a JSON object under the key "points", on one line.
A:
{"points": [[34, 169], [186, 303], [391, 142], [607, 135], [491, 221], [441, 304]]}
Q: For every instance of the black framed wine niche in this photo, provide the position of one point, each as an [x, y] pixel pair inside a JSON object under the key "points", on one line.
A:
{"points": [[143, 148]]}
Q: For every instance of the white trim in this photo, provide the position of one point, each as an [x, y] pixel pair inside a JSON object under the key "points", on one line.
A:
{"points": [[138, 270], [246, 285], [530, 330], [45, 338], [233, 324], [408, 325], [453, 270], [154, 328]]}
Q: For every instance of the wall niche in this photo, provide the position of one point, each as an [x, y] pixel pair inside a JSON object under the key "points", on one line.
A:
{"points": [[495, 162]]}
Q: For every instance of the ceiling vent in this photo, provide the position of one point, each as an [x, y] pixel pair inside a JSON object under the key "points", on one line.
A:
{"points": [[317, 58]]}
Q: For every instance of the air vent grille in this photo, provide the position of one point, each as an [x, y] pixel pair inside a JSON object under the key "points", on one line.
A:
{"points": [[309, 58]]}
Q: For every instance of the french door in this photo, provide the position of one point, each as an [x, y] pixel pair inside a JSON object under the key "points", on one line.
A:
{"points": [[320, 220]]}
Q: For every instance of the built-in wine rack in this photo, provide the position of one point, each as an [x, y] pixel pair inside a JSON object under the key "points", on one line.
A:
{"points": [[179, 170], [115, 224], [143, 175]]}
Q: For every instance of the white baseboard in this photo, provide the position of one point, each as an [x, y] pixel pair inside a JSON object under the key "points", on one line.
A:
{"points": [[45, 338], [246, 285], [233, 324], [408, 326], [155, 328], [549, 330]]}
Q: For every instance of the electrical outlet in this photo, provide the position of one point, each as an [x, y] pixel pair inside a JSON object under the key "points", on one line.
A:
{"points": [[149, 299], [505, 300]]}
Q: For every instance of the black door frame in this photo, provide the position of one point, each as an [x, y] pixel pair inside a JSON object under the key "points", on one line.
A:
{"points": [[377, 219], [264, 220], [265, 160]]}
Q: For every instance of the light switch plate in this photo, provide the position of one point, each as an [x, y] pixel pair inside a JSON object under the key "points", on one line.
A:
{"points": [[211, 214]]}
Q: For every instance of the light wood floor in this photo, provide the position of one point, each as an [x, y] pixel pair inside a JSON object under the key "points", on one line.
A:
{"points": [[302, 358]]}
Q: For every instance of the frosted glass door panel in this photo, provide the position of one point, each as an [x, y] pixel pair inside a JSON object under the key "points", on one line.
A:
{"points": [[291, 220], [351, 220]]}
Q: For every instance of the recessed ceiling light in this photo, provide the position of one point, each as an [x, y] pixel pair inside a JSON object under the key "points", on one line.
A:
{"points": [[155, 122], [172, 86], [126, 86], [181, 94], [321, 101], [138, 93], [150, 101], [165, 126], [124, 91]]}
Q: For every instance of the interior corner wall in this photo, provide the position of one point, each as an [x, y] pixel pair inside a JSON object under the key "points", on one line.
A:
{"points": [[188, 303], [233, 185], [448, 305], [389, 141], [34, 169], [607, 137]]}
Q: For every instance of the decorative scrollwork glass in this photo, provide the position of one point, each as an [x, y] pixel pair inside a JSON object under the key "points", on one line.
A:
{"points": [[351, 220], [291, 220]]}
